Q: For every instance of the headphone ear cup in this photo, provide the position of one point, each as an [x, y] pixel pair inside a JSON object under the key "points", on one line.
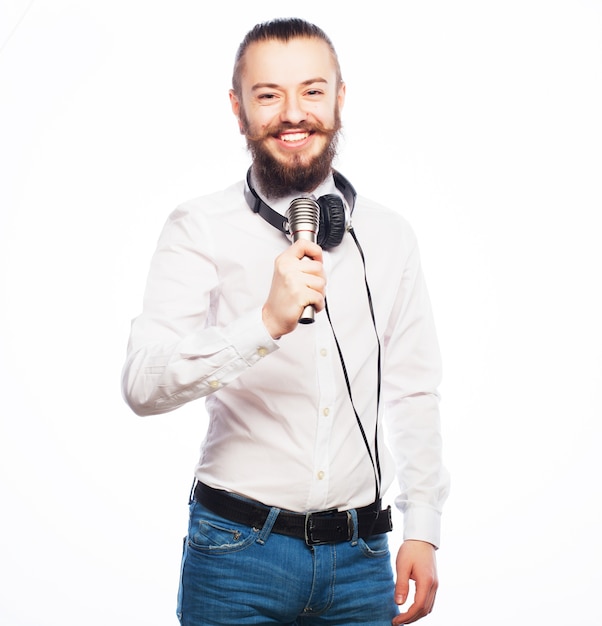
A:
{"points": [[332, 221]]}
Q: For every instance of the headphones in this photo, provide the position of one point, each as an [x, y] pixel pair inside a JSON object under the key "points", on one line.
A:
{"points": [[333, 221]]}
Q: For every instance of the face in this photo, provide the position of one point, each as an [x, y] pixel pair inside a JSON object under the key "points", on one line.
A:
{"points": [[289, 111]]}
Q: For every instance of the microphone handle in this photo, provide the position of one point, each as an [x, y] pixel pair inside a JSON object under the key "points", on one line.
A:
{"points": [[308, 315]]}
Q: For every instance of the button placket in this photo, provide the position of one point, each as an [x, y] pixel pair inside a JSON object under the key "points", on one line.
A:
{"points": [[321, 460]]}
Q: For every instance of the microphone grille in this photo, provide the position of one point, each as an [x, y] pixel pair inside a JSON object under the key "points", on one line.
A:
{"points": [[303, 214]]}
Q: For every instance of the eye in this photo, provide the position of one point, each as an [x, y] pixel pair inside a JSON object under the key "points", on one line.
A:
{"points": [[314, 92]]}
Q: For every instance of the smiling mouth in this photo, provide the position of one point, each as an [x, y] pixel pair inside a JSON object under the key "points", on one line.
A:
{"points": [[294, 137]]}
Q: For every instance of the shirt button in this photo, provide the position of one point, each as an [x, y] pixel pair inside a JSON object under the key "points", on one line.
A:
{"points": [[262, 351], [326, 412], [323, 352], [214, 384], [321, 475]]}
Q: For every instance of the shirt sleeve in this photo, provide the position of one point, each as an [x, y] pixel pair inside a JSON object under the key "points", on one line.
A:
{"points": [[411, 375], [175, 352]]}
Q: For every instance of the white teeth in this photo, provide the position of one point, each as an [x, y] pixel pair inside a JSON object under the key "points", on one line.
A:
{"points": [[294, 136]]}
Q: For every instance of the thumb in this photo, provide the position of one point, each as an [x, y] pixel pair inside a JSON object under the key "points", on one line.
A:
{"points": [[402, 584]]}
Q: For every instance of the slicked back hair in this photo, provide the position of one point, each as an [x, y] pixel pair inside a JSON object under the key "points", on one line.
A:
{"points": [[281, 29]]}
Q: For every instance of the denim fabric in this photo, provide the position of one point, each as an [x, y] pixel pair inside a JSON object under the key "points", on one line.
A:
{"points": [[235, 574]]}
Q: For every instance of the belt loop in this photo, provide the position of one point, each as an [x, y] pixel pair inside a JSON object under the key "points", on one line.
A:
{"points": [[266, 529], [352, 516]]}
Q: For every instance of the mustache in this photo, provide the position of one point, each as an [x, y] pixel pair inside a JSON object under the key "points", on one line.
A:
{"points": [[272, 131]]}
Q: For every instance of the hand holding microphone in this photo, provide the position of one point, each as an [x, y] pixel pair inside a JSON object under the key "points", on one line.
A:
{"points": [[298, 273]]}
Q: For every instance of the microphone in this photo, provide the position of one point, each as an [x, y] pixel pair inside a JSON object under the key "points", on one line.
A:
{"points": [[303, 217]]}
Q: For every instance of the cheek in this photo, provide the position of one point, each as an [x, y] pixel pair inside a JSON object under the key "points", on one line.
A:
{"points": [[261, 120], [325, 113]]}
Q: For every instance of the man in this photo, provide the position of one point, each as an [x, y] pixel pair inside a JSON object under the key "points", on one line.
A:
{"points": [[286, 523]]}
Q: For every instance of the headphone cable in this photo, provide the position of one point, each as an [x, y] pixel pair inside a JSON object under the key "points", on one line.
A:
{"points": [[374, 459]]}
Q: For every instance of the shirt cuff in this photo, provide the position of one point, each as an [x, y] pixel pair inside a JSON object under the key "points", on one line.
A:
{"points": [[422, 523]]}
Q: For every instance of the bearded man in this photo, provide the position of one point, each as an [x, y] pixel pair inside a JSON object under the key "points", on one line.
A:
{"points": [[286, 518]]}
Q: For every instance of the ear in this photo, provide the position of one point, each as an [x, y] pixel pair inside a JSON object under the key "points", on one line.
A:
{"points": [[341, 95], [235, 103]]}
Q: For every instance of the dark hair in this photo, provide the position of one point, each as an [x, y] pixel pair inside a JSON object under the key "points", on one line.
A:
{"points": [[281, 29]]}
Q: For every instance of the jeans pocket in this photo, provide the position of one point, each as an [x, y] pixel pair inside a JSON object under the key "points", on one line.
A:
{"points": [[213, 537], [376, 546]]}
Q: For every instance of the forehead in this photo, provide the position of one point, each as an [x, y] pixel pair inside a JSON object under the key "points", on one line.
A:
{"points": [[288, 62]]}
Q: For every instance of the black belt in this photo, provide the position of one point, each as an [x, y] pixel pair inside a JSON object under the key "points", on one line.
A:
{"points": [[321, 527]]}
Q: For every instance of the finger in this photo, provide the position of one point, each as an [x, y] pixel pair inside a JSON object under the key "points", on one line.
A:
{"points": [[413, 614], [424, 601], [315, 282], [402, 589], [314, 295], [303, 247], [402, 584], [311, 265]]}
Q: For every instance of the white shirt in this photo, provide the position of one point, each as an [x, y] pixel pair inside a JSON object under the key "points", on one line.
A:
{"points": [[282, 429]]}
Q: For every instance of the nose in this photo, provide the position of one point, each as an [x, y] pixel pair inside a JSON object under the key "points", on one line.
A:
{"points": [[293, 111]]}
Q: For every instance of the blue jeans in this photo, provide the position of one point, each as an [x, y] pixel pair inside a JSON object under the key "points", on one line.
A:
{"points": [[233, 574]]}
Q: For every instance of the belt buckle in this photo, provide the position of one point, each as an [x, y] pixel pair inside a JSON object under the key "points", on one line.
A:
{"points": [[309, 539]]}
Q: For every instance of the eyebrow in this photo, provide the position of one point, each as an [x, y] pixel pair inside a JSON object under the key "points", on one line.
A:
{"points": [[310, 81]]}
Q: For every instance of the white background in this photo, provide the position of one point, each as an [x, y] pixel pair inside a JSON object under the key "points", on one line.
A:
{"points": [[479, 121]]}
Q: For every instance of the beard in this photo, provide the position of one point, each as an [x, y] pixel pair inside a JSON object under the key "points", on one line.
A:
{"points": [[277, 178]]}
